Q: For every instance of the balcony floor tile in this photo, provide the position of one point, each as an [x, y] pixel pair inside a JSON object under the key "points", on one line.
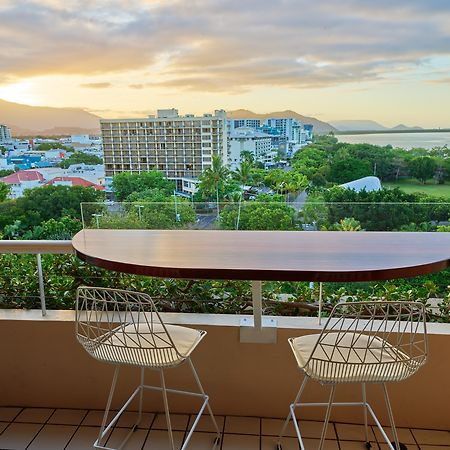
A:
{"points": [[243, 425], [431, 437], [52, 437], [68, 416], [34, 415], [17, 436], [8, 414], [71, 429], [240, 442]]}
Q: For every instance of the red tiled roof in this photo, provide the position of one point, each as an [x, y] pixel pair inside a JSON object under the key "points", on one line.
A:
{"points": [[76, 181], [22, 175]]}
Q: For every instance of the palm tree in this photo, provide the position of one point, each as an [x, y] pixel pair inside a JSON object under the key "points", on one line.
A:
{"points": [[243, 175], [348, 224], [213, 179], [295, 182]]}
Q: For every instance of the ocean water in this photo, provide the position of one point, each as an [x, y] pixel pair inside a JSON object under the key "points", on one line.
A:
{"points": [[403, 140]]}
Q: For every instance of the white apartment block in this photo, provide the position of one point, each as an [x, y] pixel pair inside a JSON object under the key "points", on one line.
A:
{"points": [[244, 123], [247, 139], [5, 133], [179, 146], [288, 127]]}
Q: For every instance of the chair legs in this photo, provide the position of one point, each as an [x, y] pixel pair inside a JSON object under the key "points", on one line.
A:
{"points": [[395, 445], [139, 391], [213, 419], [166, 409], [366, 426], [292, 414]]}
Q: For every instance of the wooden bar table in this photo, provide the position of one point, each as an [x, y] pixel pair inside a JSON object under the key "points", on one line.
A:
{"points": [[265, 255]]}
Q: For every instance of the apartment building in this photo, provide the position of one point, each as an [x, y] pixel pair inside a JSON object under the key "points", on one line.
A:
{"points": [[179, 146], [247, 123], [249, 140], [287, 126], [5, 133]]}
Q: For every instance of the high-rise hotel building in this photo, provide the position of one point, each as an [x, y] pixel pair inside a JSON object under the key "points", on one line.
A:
{"points": [[5, 133], [179, 146]]}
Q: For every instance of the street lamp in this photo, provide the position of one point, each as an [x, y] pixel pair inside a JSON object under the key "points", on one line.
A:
{"points": [[96, 219], [177, 216], [139, 207]]}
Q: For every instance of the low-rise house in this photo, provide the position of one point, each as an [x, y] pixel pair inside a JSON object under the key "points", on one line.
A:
{"points": [[73, 181], [22, 180]]}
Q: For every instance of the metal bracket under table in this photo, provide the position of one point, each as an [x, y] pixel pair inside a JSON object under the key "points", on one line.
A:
{"points": [[258, 330]]}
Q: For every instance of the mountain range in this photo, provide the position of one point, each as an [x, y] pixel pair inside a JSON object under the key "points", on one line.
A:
{"points": [[367, 125], [25, 120]]}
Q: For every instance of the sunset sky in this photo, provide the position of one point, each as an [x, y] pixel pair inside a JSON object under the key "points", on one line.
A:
{"points": [[383, 60]]}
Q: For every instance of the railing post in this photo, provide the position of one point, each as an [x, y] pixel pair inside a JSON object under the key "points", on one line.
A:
{"points": [[41, 284], [257, 304], [320, 302]]}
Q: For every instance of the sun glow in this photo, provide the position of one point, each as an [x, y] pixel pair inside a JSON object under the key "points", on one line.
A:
{"points": [[21, 92]]}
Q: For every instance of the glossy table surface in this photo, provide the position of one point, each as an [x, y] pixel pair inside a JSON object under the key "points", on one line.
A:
{"points": [[265, 255]]}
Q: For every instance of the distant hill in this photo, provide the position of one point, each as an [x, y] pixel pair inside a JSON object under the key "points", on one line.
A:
{"points": [[27, 120], [368, 125], [402, 127], [319, 126], [358, 125]]}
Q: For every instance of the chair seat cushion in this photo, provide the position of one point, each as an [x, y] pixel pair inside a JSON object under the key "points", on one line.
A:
{"points": [[137, 344], [346, 357]]}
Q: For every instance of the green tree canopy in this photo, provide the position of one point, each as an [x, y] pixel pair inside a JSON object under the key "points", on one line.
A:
{"points": [[55, 229], [349, 169], [53, 145], [80, 157], [126, 183], [422, 168], [4, 191], [259, 216], [5, 172], [383, 210], [53, 202]]}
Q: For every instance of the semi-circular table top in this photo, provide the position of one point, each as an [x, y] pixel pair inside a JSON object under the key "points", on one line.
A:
{"points": [[265, 255]]}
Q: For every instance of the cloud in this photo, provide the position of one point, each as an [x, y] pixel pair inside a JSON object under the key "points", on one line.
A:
{"points": [[440, 81], [96, 85], [225, 46]]}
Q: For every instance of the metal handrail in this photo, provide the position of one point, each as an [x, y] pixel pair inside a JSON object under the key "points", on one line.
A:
{"points": [[36, 247]]}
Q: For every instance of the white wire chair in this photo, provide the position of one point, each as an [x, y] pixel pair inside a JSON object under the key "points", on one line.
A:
{"points": [[361, 342], [124, 328]]}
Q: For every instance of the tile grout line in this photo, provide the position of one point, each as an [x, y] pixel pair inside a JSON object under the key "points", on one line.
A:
{"points": [[12, 421], [260, 433], [223, 431], [40, 429], [337, 436], [148, 431], [76, 429]]}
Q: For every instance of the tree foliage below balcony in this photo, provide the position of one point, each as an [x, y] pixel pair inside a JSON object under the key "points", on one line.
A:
{"points": [[64, 273]]}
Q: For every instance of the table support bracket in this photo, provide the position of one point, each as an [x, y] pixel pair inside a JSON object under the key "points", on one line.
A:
{"points": [[258, 330]]}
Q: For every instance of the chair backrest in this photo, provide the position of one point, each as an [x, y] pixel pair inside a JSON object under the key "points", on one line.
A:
{"points": [[111, 320], [388, 337]]}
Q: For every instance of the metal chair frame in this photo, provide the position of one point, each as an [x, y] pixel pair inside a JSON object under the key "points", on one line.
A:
{"points": [[124, 328], [387, 339]]}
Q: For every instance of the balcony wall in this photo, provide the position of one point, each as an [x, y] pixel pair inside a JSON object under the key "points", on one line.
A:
{"points": [[43, 365]]}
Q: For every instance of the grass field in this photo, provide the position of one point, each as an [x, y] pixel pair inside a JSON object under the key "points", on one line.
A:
{"points": [[431, 188]]}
